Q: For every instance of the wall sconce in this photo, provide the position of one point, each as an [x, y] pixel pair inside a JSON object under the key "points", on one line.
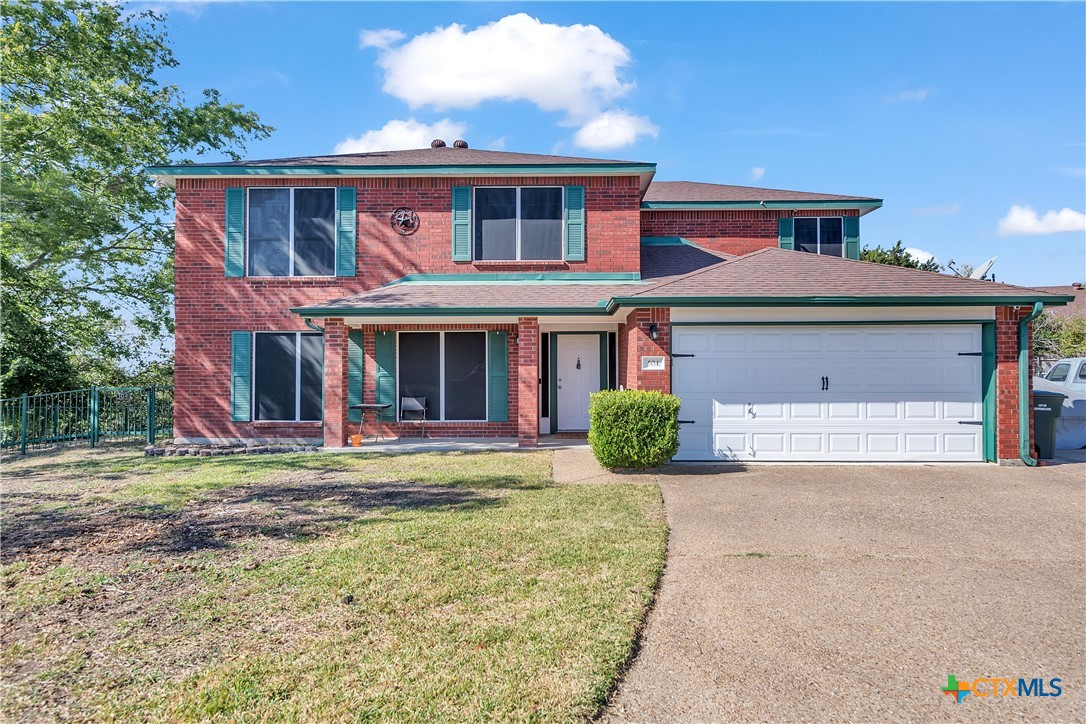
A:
{"points": [[654, 333]]}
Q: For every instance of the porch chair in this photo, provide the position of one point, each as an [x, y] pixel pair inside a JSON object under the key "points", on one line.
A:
{"points": [[414, 408]]}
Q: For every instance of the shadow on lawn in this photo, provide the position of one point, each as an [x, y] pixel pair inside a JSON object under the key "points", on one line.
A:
{"points": [[52, 524]]}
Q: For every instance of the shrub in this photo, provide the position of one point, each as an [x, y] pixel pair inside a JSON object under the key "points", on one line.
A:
{"points": [[633, 428]]}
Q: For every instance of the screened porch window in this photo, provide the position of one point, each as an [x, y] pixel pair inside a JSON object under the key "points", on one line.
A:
{"points": [[292, 232], [820, 235], [287, 376], [448, 369], [518, 224]]}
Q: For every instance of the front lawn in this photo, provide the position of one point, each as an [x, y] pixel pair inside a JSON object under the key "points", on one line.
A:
{"points": [[318, 587]]}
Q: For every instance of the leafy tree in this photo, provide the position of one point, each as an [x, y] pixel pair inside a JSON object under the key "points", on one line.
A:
{"points": [[897, 256], [86, 264], [1055, 337]]}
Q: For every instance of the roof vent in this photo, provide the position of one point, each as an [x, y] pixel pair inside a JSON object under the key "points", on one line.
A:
{"points": [[460, 143], [437, 143], [1076, 285]]}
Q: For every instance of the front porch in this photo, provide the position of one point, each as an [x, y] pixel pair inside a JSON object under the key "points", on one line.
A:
{"points": [[485, 383]]}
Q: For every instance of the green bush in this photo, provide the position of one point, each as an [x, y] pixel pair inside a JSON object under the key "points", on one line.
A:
{"points": [[633, 428]]}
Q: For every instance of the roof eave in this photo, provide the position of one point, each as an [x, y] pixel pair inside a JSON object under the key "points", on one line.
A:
{"points": [[865, 206], [353, 312], [841, 301]]}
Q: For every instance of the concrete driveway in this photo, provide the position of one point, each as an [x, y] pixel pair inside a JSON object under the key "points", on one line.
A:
{"points": [[833, 593]]}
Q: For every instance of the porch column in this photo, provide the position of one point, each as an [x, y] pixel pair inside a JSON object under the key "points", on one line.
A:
{"points": [[335, 383], [528, 381], [1006, 332], [635, 342]]}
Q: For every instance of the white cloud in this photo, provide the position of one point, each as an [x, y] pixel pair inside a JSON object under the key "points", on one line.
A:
{"points": [[756, 173], [938, 210], [908, 96], [379, 38], [613, 129], [1023, 220], [920, 255], [570, 68], [397, 135]]}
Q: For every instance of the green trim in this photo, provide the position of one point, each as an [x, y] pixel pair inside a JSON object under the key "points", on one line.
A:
{"points": [[354, 374], [600, 311], [554, 383], [665, 241], [234, 264], [603, 360], [587, 169], [813, 323], [988, 385], [850, 228], [518, 277], [887, 301], [346, 231], [786, 233], [461, 223], [241, 363], [760, 205], [385, 374], [574, 247], [497, 399]]}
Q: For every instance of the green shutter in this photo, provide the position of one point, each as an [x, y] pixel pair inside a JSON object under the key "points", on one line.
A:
{"points": [[385, 354], [574, 223], [498, 377], [354, 375], [852, 237], [461, 223], [346, 222], [241, 362], [235, 232], [785, 234]]}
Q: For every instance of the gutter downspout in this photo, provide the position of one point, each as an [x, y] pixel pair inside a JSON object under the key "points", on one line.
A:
{"points": [[309, 323], [1023, 384]]}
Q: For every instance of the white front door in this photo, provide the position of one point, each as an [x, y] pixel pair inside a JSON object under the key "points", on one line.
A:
{"points": [[578, 376], [843, 393]]}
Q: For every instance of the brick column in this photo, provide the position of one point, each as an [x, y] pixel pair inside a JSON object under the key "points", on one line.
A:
{"points": [[335, 383], [528, 381], [1007, 383], [635, 341]]}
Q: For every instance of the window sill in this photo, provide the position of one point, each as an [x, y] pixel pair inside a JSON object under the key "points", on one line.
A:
{"points": [[279, 423], [556, 263]]}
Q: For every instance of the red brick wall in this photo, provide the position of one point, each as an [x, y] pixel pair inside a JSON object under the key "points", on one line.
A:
{"points": [[1007, 383], [527, 377], [732, 232], [208, 306], [634, 342]]}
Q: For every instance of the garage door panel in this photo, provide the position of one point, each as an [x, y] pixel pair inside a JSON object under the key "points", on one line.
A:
{"points": [[894, 393]]}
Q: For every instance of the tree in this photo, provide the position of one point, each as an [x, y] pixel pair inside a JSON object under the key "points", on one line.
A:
{"points": [[86, 264], [1056, 337], [897, 256]]}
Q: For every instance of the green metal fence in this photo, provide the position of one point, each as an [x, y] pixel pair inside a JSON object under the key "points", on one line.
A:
{"points": [[96, 414]]}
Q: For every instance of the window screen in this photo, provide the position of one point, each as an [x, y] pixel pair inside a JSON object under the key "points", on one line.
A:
{"points": [[274, 376], [312, 363], [830, 237], [465, 376], [420, 369], [314, 232], [495, 223], [269, 232], [541, 223], [806, 235]]}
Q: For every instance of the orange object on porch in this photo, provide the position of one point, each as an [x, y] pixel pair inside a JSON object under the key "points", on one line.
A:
{"points": [[356, 440]]}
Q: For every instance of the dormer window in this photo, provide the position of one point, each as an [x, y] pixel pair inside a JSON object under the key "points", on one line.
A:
{"points": [[820, 235], [518, 224]]}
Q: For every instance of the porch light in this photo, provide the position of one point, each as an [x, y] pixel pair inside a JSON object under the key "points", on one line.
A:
{"points": [[653, 332]]}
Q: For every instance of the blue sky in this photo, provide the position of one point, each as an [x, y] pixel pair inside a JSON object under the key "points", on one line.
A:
{"points": [[968, 119]]}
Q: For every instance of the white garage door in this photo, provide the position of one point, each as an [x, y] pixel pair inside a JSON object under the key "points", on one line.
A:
{"points": [[829, 393]]}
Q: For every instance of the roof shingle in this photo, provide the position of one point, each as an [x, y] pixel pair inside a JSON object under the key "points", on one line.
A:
{"points": [[678, 191]]}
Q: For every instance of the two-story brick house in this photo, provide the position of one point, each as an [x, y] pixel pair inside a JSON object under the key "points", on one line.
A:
{"points": [[499, 290]]}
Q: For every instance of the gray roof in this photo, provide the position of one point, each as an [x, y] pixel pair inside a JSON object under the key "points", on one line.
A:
{"points": [[692, 191], [445, 156]]}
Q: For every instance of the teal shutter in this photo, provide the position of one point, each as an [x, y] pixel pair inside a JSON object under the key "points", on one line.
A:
{"points": [[497, 408], [235, 232], [346, 235], [354, 375], [852, 237], [385, 354], [785, 234], [241, 362], [574, 223], [461, 223]]}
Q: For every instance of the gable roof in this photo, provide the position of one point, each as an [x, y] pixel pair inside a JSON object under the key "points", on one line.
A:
{"points": [[1076, 308], [692, 195], [423, 157], [778, 276]]}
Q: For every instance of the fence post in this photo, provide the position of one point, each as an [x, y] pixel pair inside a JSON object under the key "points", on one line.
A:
{"points": [[22, 425], [93, 415], [152, 428]]}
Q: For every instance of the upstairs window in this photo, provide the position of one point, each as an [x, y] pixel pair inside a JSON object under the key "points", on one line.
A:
{"points": [[820, 235], [518, 224], [292, 232]]}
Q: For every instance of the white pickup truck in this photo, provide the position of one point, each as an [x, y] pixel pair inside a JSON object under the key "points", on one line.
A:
{"points": [[1068, 376]]}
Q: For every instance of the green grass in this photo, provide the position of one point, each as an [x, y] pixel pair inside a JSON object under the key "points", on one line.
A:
{"points": [[480, 590]]}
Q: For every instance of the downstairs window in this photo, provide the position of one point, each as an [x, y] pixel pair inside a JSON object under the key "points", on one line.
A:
{"points": [[287, 376], [448, 369]]}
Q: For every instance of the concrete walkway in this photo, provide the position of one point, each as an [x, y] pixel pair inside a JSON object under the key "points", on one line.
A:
{"points": [[850, 593]]}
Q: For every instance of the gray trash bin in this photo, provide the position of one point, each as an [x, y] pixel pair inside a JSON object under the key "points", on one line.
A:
{"points": [[1046, 408]]}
